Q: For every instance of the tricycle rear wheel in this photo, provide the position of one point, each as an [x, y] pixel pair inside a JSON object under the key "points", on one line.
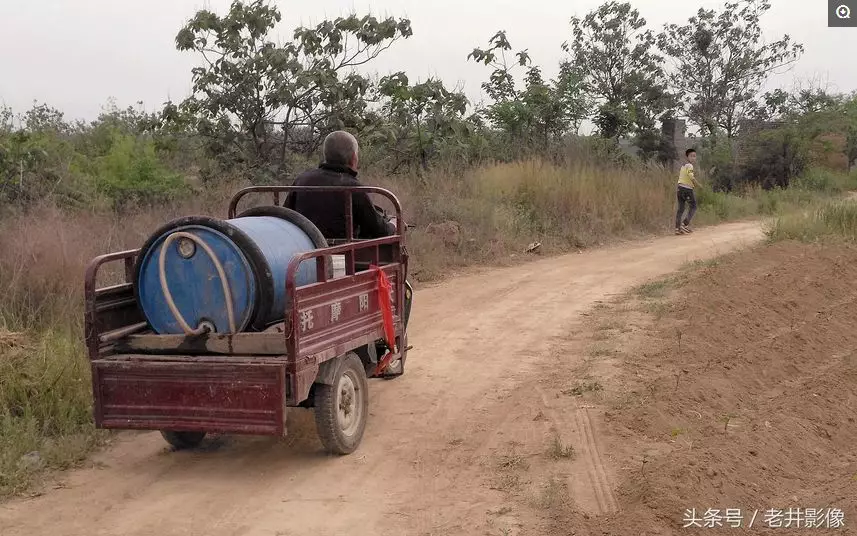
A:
{"points": [[183, 440], [341, 409]]}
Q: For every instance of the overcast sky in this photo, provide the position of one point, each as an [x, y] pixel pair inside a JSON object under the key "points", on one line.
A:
{"points": [[75, 54]]}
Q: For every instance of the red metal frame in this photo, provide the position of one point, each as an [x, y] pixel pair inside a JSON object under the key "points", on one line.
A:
{"points": [[93, 321], [246, 393], [348, 190]]}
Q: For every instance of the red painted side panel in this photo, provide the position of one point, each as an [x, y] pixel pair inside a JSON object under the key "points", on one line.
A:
{"points": [[334, 314], [333, 318], [226, 395]]}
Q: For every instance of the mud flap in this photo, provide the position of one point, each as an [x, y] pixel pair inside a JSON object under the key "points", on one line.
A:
{"points": [[327, 371]]}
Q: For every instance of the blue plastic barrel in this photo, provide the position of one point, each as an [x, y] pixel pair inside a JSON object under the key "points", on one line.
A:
{"points": [[254, 251]]}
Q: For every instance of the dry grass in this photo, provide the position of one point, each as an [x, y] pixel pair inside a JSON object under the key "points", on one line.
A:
{"points": [[501, 209], [832, 221], [45, 418], [559, 450], [553, 495]]}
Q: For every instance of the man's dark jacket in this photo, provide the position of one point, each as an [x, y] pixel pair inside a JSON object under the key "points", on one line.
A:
{"points": [[327, 210]]}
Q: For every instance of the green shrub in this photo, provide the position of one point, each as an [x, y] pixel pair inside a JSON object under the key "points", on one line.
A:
{"points": [[826, 181], [718, 162], [773, 157], [131, 172]]}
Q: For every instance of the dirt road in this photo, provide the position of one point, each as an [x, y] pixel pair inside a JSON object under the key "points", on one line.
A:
{"points": [[425, 464]]}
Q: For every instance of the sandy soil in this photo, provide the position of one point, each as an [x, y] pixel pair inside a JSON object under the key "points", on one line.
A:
{"points": [[731, 387], [476, 438]]}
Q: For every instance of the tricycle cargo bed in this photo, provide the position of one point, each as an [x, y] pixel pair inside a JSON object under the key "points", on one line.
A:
{"points": [[327, 319], [229, 395]]}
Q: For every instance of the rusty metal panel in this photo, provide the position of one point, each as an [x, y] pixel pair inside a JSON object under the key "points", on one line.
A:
{"points": [[386, 253], [265, 343], [332, 314], [225, 396], [335, 317], [116, 307], [300, 382], [111, 308]]}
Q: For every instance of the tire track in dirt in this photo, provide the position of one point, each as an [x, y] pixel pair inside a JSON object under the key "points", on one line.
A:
{"points": [[602, 485], [481, 342], [600, 489]]}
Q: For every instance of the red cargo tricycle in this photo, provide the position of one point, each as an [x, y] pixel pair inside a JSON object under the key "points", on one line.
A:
{"points": [[188, 385]]}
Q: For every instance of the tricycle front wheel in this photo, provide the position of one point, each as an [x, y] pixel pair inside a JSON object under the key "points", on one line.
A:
{"points": [[183, 440], [341, 409]]}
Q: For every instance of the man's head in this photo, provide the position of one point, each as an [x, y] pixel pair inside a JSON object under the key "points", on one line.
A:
{"points": [[340, 149], [690, 154]]}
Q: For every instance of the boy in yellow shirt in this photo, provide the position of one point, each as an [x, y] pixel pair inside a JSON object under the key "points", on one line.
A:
{"points": [[685, 194]]}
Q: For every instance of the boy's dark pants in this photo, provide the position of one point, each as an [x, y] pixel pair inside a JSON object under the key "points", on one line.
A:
{"points": [[685, 196]]}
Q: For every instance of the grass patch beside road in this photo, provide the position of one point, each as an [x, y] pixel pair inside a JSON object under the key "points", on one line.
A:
{"points": [[45, 417], [832, 221]]}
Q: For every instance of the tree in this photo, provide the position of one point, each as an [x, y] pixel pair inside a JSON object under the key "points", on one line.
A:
{"points": [[257, 100], [21, 154], [623, 75], [508, 112], [569, 92], [501, 85], [720, 61], [420, 116], [805, 98], [28, 145], [542, 111], [837, 116]]}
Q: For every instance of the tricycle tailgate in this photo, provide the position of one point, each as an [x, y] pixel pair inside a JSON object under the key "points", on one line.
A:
{"points": [[223, 395]]}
